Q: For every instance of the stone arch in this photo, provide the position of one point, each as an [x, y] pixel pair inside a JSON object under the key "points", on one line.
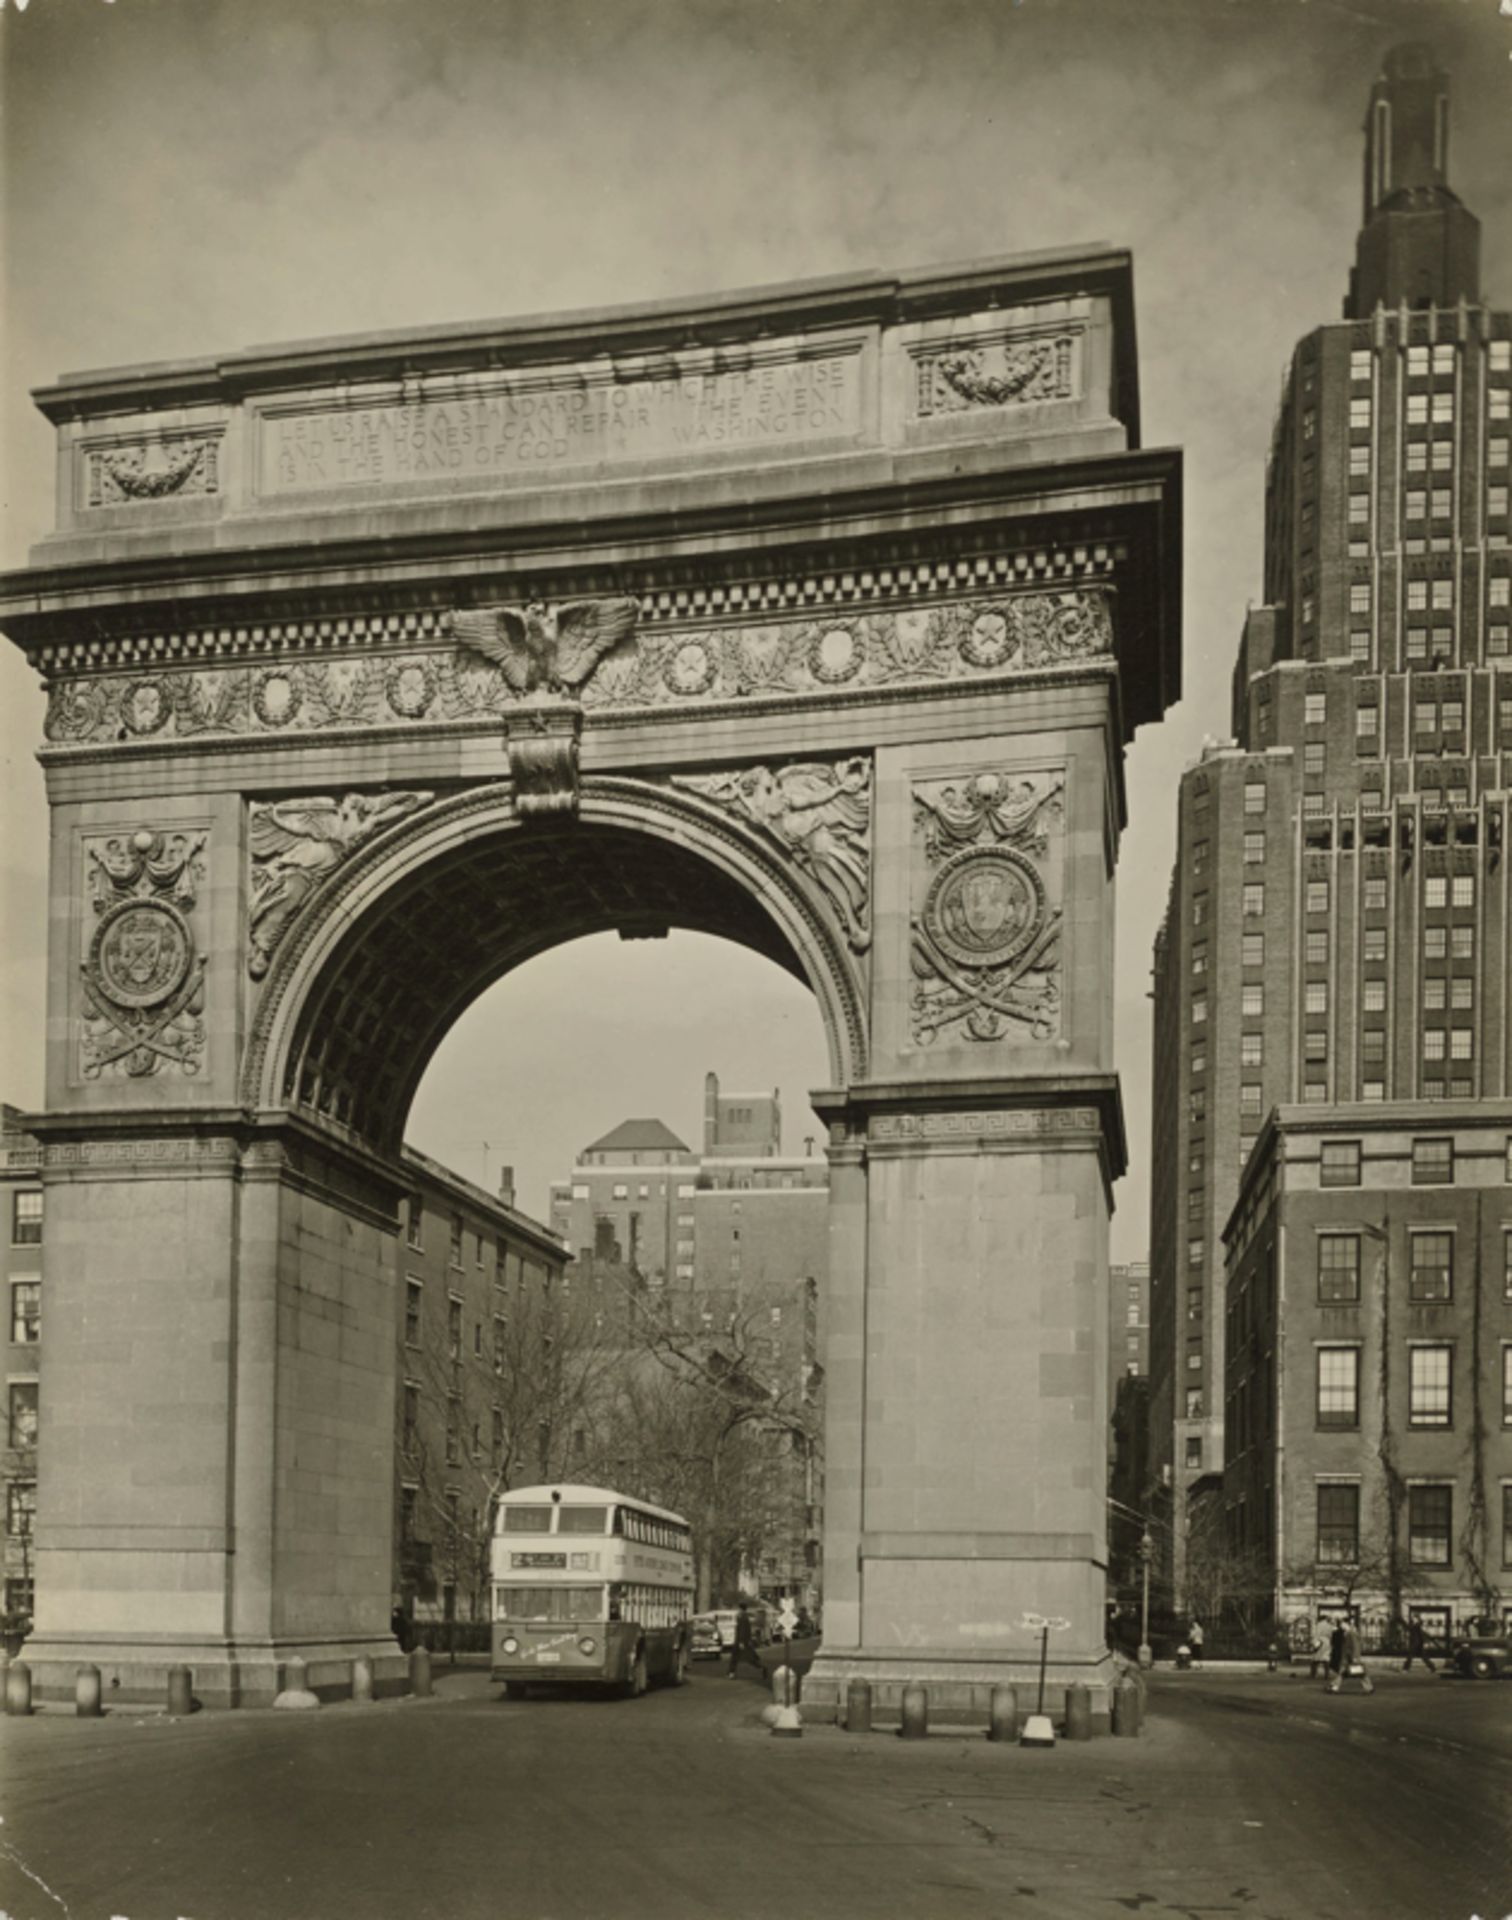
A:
{"points": [[434, 904]]}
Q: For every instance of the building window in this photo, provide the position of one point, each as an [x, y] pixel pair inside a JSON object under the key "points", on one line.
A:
{"points": [[1315, 949], [1254, 848], [1433, 1043], [1339, 1163], [1338, 1386], [1432, 1266], [1252, 949], [1199, 957], [1462, 890], [1194, 1403], [1317, 897], [1432, 1163], [1359, 509], [454, 1328], [1507, 1384], [1367, 724], [26, 1313], [23, 1414], [1462, 993], [1253, 900], [1252, 1000], [26, 1218], [1359, 414], [1435, 944], [1359, 597], [1338, 1522], [1373, 996], [453, 1433], [1199, 909], [455, 1254], [1373, 944], [20, 1508], [1315, 997], [1338, 1266], [1428, 1386], [414, 1295], [1314, 711], [1315, 1044], [1375, 893], [1506, 1525], [1194, 1253], [1373, 1046], [1199, 1009], [1430, 1514], [1462, 943], [1251, 1049], [1249, 1098]]}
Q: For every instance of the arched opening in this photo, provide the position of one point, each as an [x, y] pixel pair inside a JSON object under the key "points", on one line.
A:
{"points": [[431, 913]]}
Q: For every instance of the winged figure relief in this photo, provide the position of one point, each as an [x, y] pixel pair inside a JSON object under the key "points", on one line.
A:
{"points": [[295, 844], [547, 649]]}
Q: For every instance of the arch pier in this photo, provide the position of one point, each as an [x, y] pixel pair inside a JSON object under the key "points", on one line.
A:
{"points": [[817, 618]]}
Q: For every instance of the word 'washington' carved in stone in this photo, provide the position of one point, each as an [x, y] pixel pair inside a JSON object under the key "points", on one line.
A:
{"points": [[814, 620]]}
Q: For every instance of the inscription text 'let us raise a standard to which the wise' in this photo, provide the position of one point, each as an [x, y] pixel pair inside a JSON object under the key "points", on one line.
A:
{"points": [[505, 427]]}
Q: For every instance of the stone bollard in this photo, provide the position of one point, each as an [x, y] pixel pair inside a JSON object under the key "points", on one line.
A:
{"points": [[785, 1686], [180, 1690], [362, 1679], [1002, 1714], [420, 1673], [1126, 1712], [858, 1707], [295, 1694], [87, 1693], [18, 1687], [1078, 1713], [915, 1713]]}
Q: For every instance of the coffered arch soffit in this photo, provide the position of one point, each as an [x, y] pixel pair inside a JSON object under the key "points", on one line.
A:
{"points": [[417, 925]]}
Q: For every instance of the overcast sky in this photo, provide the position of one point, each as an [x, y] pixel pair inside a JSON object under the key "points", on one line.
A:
{"points": [[186, 177]]}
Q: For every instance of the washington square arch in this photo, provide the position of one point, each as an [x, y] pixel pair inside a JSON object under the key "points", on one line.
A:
{"points": [[817, 618]]}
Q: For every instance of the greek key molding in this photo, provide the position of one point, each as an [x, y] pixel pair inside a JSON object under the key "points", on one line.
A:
{"points": [[1000, 1121], [816, 812], [991, 636], [142, 974], [167, 1151], [294, 846], [987, 919]]}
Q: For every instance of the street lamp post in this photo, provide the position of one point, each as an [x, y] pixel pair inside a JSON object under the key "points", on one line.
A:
{"points": [[1146, 1553]]}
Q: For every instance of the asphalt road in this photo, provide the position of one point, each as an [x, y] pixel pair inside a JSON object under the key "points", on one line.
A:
{"points": [[1257, 1796]]}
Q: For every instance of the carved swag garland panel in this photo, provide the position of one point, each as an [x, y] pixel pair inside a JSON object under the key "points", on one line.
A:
{"points": [[986, 924], [593, 652]]}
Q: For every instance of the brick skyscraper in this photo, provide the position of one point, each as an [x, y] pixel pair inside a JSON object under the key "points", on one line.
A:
{"points": [[1336, 942]]}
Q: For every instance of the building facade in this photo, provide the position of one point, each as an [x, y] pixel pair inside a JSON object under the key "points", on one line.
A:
{"points": [[1337, 930], [1368, 1389], [482, 1404], [21, 1248]]}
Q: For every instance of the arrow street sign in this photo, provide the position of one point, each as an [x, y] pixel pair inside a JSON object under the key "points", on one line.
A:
{"points": [[1044, 1623]]}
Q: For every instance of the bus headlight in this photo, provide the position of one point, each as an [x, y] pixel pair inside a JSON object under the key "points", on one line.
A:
{"points": [[587, 1644], [510, 1644]]}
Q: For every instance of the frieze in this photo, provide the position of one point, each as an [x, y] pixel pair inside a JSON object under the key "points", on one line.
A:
{"points": [[142, 973], [173, 1150], [819, 814], [158, 469], [296, 845], [963, 376], [986, 925], [1000, 1121], [996, 635]]}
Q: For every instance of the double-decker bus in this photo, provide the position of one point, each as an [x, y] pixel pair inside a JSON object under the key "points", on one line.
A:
{"points": [[589, 1588]]}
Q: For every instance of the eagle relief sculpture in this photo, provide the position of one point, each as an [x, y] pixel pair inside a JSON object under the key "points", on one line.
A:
{"points": [[544, 650]]}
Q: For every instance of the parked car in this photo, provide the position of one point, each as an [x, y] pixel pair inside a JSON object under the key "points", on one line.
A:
{"points": [[706, 1643], [1483, 1655]]}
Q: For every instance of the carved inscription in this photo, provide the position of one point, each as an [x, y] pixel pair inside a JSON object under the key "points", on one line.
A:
{"points": [[987, 922], [143, 976], [687, 404]]}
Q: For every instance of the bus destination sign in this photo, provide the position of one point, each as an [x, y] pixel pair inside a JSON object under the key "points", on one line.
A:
{"points": [[538, 1560]]}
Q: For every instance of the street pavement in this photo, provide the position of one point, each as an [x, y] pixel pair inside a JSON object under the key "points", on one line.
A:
{"points": [[1254, 1794]]}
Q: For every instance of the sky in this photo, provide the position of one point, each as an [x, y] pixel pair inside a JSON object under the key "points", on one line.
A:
{"points": [[186, 177]]}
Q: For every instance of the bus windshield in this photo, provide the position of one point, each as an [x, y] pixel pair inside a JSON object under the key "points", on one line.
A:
{"points": [[527, 1519], [549, 1603], [581, 1519]]}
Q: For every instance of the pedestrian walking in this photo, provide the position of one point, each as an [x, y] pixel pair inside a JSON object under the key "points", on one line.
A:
{"points": [[1349, 1665], [1194, 1641], [1335, 1656], [1417, 1646], [743, 1646]]}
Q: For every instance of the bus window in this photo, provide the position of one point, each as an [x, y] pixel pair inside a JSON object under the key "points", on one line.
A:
{"points": [[581, 1519], [526, 1519], [549, 1603]]}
